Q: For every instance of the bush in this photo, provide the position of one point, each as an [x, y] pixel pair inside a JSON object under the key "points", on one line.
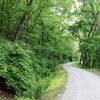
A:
{"points": [[24, 70], [23, 98], [41, 87], [43, 67], [16, 69]]}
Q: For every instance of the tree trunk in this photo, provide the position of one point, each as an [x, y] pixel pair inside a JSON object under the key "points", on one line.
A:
{"points": [[1, 21], [22, 20]]}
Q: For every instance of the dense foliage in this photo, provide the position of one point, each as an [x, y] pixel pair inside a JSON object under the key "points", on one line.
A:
{"points": [[16, 69], [38, 35], [86, 29], [32, 43]]}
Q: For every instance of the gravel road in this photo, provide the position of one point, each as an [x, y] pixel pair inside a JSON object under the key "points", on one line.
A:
{"points": [[82, 85]]}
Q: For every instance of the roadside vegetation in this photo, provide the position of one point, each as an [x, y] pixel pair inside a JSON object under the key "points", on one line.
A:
{"points": [[36, 36], [95, 70], [86, 29], [57, 83], [76, 64], [32, 46]]}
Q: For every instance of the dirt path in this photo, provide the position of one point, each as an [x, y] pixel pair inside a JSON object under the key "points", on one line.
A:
{"points": [[82, 85]]}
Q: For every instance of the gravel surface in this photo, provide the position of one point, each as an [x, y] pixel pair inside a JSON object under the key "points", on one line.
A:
{"points": [[82, 85]]}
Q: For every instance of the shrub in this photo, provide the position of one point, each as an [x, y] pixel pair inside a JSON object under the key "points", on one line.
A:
{"points": [[41, 87], [23, 98], [16, 69], [43, 67]]}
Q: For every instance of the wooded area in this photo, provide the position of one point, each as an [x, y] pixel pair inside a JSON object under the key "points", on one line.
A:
{"points": [[38, 35], [87, 30]]}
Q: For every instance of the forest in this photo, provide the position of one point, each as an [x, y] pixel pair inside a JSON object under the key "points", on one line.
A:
{"points": [[36, 36]]}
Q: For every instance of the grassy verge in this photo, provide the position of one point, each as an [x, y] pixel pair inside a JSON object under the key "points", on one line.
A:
{"points": [[76, 64], [57, 83], [95, 70]]}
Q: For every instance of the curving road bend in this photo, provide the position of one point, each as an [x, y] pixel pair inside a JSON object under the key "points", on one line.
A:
{"points": [[82, 85]]}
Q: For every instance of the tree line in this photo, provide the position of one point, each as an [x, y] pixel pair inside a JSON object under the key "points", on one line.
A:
{"points": [[32, 44]]}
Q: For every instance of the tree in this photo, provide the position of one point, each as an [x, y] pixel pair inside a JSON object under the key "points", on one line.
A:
{"points": [[86, 29]]}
